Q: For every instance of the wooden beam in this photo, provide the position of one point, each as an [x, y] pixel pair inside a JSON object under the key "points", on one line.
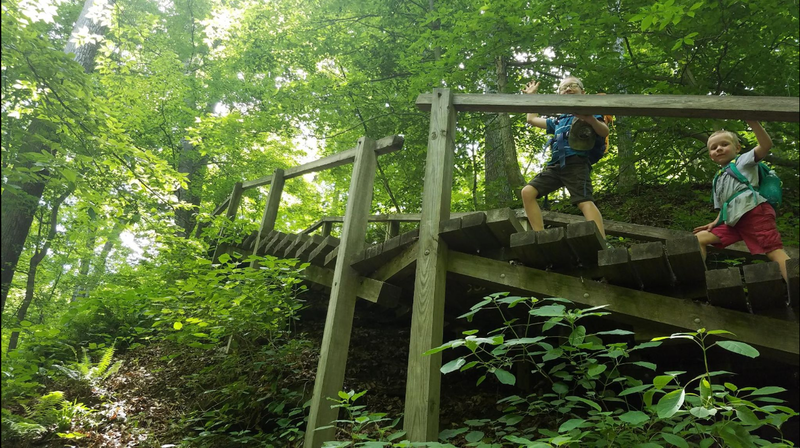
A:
{"points": [[221, 207], [369, 289], [615, 264], [271, 209], [762, 331], [402, 266], [648, 233], [793, 274], [650, 262], [686, 261], [763, 108], [427, 318], [385, 145], [341, 307], [586, 241]]}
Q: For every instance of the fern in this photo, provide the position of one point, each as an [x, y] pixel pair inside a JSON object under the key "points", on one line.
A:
{"points": [[85, 364], [104, 363], [46, 409]]}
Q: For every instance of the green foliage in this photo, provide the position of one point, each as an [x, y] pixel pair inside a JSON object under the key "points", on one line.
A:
{"points": [[588, 397]]}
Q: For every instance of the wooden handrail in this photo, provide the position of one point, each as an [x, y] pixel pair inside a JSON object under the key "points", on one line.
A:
{"points": [[765, 108], [385, 145]]}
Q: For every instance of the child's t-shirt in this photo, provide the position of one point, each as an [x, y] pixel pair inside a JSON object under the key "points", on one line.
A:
{"points": [[562, 125], [728, 185]]}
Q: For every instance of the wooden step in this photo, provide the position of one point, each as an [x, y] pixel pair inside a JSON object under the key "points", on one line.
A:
{"points": [[477, 232], [766, 288], [586, 241], [554, 246], [318, 255], [375, 256], [725, 289], [503, 223], [524, 247], [650, 262], [615, 265], [793, 274], [304, 252], [450, 231]]}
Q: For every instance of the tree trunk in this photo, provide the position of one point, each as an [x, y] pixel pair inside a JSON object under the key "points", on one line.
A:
{"points": [[20, 199], [37, 258], [503, 178], [193, 165]]}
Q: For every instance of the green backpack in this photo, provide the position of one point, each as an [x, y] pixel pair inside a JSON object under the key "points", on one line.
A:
{"points": [[769, 185]]}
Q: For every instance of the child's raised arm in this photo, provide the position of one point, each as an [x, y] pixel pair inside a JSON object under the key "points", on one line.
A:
{"points": [[533, 119], [764, 140]]}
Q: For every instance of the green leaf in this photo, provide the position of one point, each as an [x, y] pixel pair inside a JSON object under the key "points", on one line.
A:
{"points": [[583, 400], [596, 369], [474, 436], [675, 440], [662, 380], [70, 175], [524, 340], [739, 347], [701, 412], [571, 424], [635, 389], [453, 365], [769, 390], [505, 377], [747, 416], [224, 258], [560, 388], [670, 403], [448, 434], [646, 365], [577, 335], [177, 325], [735, 436], [548, 311], [634, 417], [616, 332]]}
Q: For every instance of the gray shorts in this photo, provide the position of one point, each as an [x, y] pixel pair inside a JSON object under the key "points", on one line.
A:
{"points": [[576, 175]]}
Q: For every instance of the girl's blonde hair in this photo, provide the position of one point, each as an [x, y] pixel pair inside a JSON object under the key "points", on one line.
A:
{"points": [[732, 135]]}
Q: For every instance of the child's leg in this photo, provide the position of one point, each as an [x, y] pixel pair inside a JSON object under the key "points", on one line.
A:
{"points": [[779, 256], [592, 213], [705, 238], [529, 195]]}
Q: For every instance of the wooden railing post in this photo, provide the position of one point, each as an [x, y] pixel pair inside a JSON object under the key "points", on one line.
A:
{"points": [[424, 378], [327, 226], [233, 206], [339, 321], [270, 211], [392, 229]]}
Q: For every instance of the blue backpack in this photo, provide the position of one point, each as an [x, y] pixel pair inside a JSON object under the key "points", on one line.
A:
{"points": [[597, 152], [769, 185]]}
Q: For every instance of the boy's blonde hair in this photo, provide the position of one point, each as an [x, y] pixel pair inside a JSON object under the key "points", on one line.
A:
{"points": [[732, 135]]}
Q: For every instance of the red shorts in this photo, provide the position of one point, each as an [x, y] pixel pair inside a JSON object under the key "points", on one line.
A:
{"points": [[757, 229]]}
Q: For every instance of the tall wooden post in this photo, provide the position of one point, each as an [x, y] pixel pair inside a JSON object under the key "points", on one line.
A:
{"points": [[233, 206], [270, 211], [339, 322], [424, 378]]}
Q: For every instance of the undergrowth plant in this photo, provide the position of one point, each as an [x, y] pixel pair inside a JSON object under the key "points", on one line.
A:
{"points": [[593, 395]]}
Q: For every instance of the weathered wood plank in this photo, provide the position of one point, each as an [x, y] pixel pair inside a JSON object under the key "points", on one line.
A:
{"points": [[221, 207], [318, 255], [304, 252], [369, 289], [554, 246], [686, 261], [762, 108], [765, 286], [274, 242], [524, 246], [450, 231], [345, 284], [477, 232], [330, 259], [377, 255], [427, 320], [401, 267], [503, 223], [248, 242], [725, 289], [586, 241], [271, 209], [648, 233], [762, 331], [291, 249], [650, 262], [279, 249], [392, 229], [615, 265], [385, 145]]}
